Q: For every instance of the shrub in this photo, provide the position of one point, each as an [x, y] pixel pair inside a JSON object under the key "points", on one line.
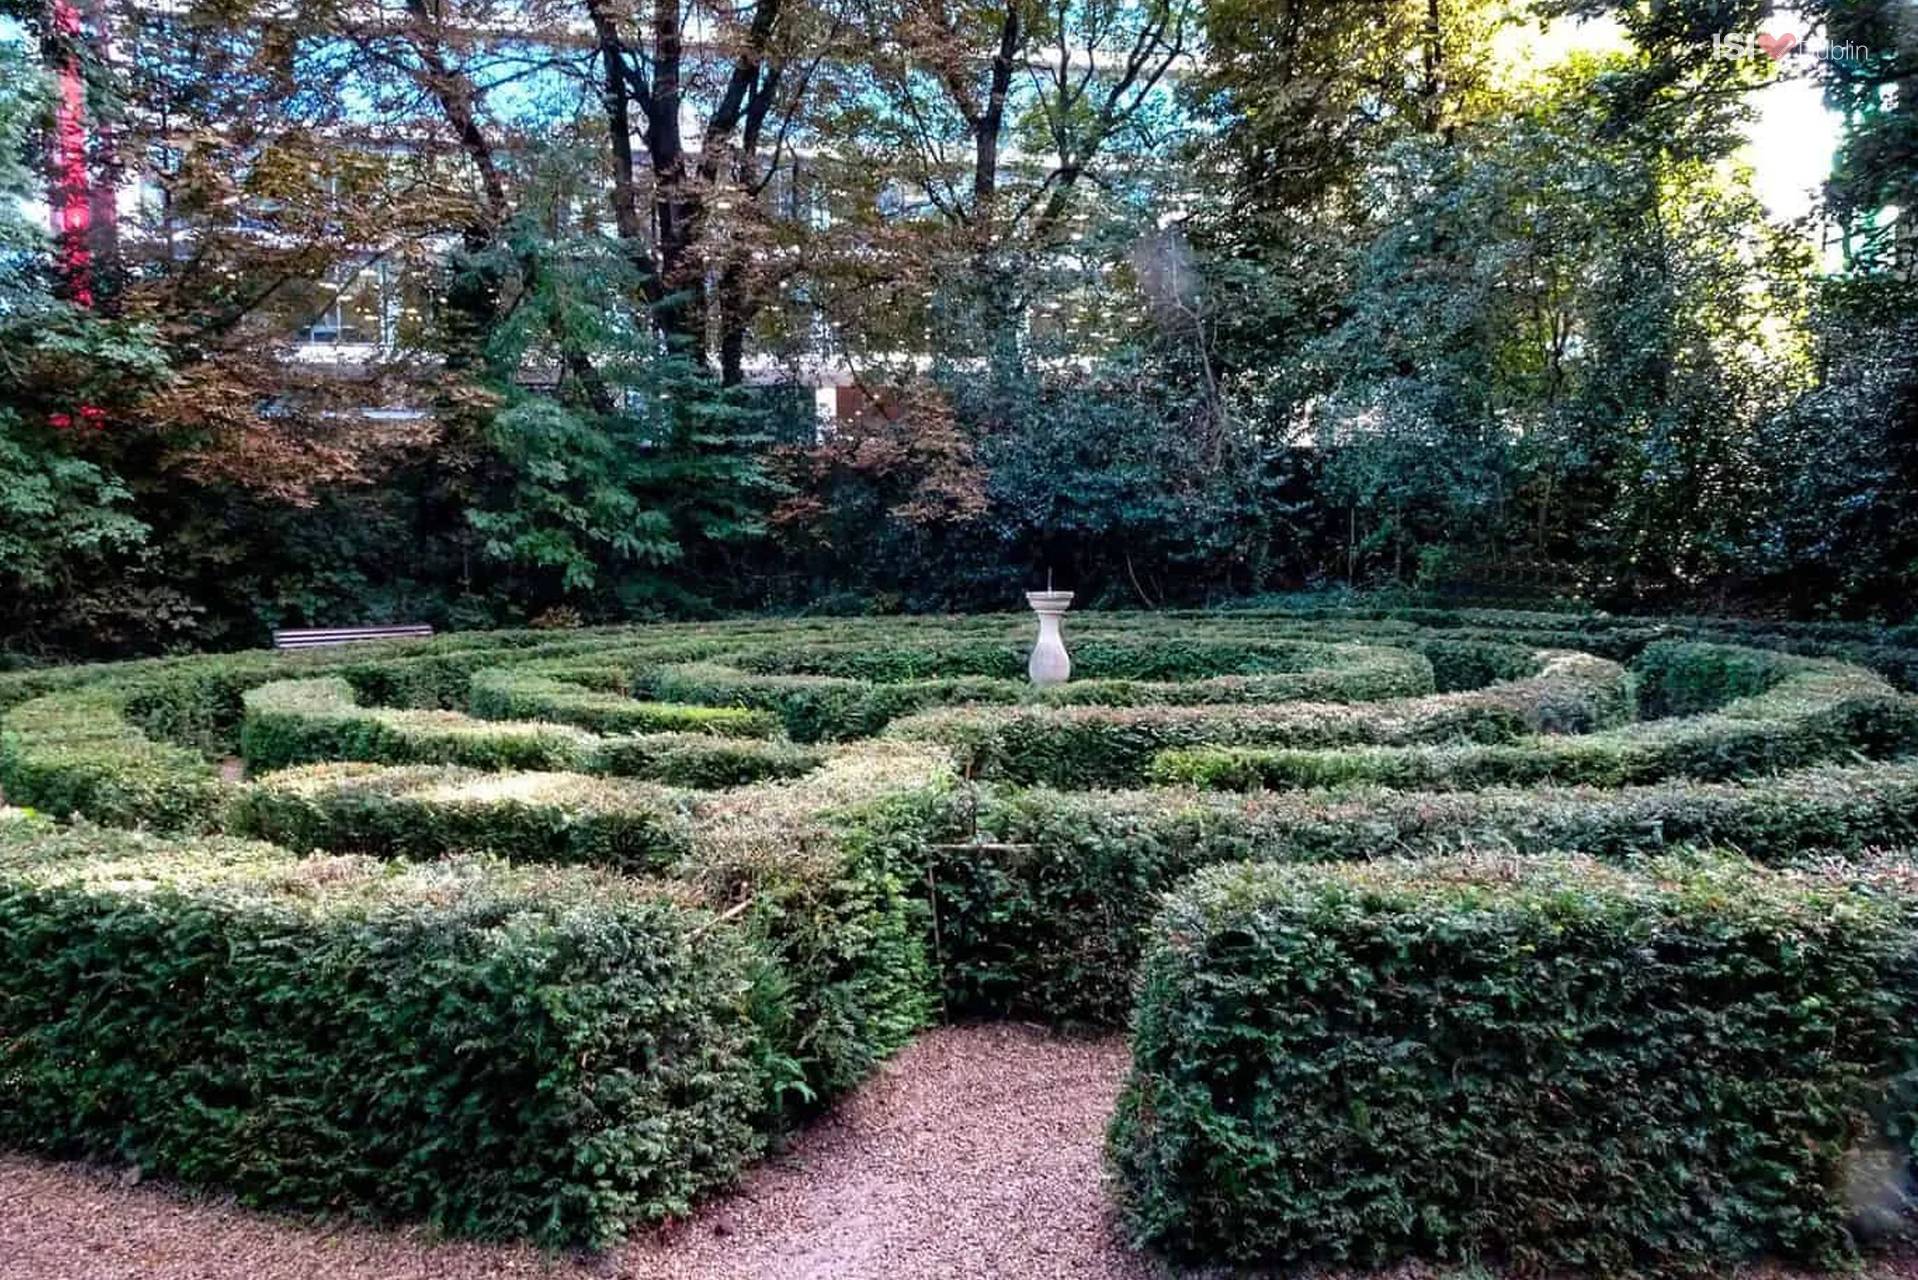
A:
{"points": [[814, 873], [426, 811], [1048, 917], [817, 705], [513, 694], [819, 708], [1550, 1062], [293, 722], [1473, 664], [502, 1054], [1091, 747], [697, 760], [1681, 678], [74, 753], [1806, 711], [820, 872], [825, 870]]}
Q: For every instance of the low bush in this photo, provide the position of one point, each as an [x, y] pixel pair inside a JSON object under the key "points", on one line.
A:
{"points": [[292, 722], [822, 873], [1043, 896], [1684, 678], [1472, 664], [1174, 657], [500, 1053], [698, 760], [815, 704], [1807, 711], [1113, 747], [512, 693], [819, 708], [1551, 1064], [817, 873], [427, 811], [74, 753]]}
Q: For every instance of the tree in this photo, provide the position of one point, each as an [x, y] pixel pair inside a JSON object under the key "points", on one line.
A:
{"points": [[61, 517]]}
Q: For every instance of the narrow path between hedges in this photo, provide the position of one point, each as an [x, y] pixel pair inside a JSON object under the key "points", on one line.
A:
{"points": [[975, 1153]]}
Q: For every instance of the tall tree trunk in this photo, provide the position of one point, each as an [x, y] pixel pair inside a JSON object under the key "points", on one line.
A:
{"points": [[735, 315], [1432, 90], [681, 312]]}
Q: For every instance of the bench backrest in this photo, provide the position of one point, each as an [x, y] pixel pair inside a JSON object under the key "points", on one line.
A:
{"points": [[320, 637]]}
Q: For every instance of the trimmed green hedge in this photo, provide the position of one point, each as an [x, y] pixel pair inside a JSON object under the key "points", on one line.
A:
{"points": [[512, 693], [846, 884], [1113, 747], [499, 1053], [1173, 656], [816, 704], [824, 872], [74, 753], [1043, 903], [699, 760], [426, 811], [1784, 712], [1547, 1063], [818, 708], [820, 873], [315, 721], [293, 722]]}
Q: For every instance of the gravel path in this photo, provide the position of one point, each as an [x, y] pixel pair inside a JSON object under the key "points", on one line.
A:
{"points": [[975, 1153]]}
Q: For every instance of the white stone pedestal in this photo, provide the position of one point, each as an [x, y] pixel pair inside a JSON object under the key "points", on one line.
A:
{"points": [[1049, 664]]}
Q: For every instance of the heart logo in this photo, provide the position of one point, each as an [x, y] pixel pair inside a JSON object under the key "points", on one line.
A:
{"points": [[1777, 46]]}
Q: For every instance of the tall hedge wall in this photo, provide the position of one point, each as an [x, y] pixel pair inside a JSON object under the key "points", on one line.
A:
{"points": [[1044, 897], [1547, 1063], [499, 1053]]}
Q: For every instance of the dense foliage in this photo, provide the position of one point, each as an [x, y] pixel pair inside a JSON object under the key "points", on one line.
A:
{"points": [[1551, 1062], [534, 952], [400, 321], [498, 1053]]}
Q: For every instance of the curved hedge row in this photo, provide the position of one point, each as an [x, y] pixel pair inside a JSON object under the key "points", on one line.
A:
{"points": [[1045, 912], [1116, 747], [292, 722], [327, 1031], [1798, 711], [74, 752], [843, 826], [428, 811], [834, 695]]}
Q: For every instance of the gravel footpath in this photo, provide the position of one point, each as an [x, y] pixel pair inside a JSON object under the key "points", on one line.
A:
{"points": [[975, 1153]]}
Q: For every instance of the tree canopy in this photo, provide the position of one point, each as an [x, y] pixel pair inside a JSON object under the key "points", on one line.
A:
{"points": [[520, 310]]}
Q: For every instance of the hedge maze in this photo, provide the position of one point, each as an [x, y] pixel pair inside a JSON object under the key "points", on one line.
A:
{"points": [[1564, 941]]}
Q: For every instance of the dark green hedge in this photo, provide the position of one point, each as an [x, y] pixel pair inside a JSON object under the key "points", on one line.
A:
{"points": [[1549, 1064], [556, 1056], [815, 703], [822, 883], [1044, 896], [1783, 712], [75, 753], [314, 721], [829, 893], [1684, 678], [1116, 747], [1472, 664], [699, 760], [512, 693], [427, 811], [819, 708]]}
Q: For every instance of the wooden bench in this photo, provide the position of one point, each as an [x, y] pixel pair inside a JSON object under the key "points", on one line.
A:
{"points": [[321, 637]]}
